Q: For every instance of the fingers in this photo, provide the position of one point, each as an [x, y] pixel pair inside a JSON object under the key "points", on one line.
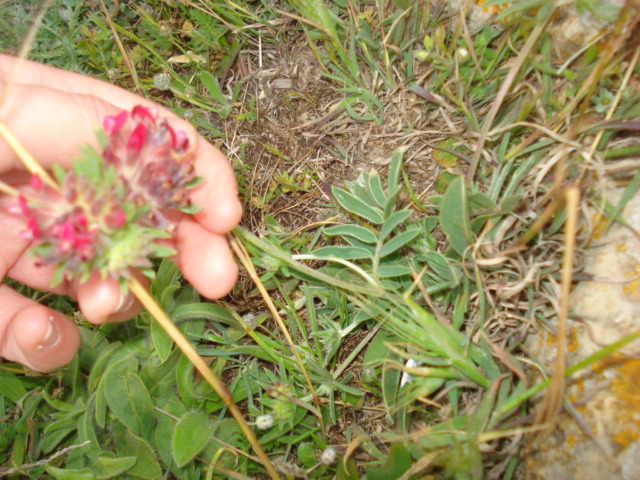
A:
{"points": [[33, 335], [205, 259], [218, 194], [51, 125], [102, 300]]}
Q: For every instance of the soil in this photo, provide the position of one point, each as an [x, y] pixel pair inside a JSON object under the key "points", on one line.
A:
{"points": [[300, 129]]}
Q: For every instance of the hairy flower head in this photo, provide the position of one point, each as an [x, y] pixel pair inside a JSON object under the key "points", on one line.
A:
{"points": [[108, 211], [151, 159]]}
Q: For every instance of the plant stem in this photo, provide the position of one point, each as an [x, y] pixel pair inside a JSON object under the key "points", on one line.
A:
{"points": [[243, 256], [183, 344], [31, 163]]}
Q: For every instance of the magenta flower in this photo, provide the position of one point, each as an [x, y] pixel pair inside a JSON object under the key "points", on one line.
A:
{"points": [[108, 211], [151, 160]]}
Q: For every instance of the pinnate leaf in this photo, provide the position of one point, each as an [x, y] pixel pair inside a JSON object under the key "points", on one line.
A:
{"points": [[356, 206]]}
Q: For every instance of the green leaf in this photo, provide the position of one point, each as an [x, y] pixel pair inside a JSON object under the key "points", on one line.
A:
{"points": [[202, 311], [211, 84], [184, 382], [393, 221], [72, 474], [191, 434], [118, 398], [398, 462], [356, 231], [161, 341], [347, 470], [628, 194], [345, 253], [394, 169], [398, 242], [101, 363], [454, 216], [146, 465], [11, 387], [142, 404], [390, 271], [108, 467], [376, 190], [356, 206], [57, 431], [190, 209]]}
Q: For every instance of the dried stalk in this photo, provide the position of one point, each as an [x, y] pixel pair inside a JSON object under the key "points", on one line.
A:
{"points": [[183, 344]]}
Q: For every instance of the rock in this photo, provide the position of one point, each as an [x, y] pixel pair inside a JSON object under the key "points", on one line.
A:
{"points": [[605, 395]]}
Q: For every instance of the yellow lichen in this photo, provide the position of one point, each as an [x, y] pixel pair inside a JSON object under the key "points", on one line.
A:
{"points": [[631, 289], [625, 391], [600, 223], [572, 340]]}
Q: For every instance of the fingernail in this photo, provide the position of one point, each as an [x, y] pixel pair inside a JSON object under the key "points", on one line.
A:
{"points": [[52, 336], [125, 303]]}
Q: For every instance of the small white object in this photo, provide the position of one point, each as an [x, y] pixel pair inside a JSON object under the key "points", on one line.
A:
{"points": [[264, 422]]}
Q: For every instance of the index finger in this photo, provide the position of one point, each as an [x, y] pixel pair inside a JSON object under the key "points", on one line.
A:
{"points": [[69, 105]]}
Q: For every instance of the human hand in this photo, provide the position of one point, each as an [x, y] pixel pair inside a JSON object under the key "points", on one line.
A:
{"points": [[52, 112]]}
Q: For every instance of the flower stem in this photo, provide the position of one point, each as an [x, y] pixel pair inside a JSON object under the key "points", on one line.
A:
{"points": [[25, 157], [8, 189], [244, 258], [183, 344]]}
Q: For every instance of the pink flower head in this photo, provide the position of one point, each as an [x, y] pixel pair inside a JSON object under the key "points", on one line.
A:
{"points": [[108, 210], [152, 160], [36, 183], [137, 139], [21, 209], [144, 114], [113, 124]]}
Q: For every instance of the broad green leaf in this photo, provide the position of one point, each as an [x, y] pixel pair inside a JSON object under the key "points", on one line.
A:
{"points": [[184, 382], [398, 462], [343, 252], [376, 190], [398, 242], [390, 271], [11, 387], [108, 467], [128, 444], [57, 431], [101, 405], [393, 221], [191, 434], [394, 169], [454, 216], [307, 454], [211, 84], [71, 474], [162, 437], [347, 470], [101, 363], [440, 265], [377, 350], [479, 201], [202, 311], [361, 233], [87, 428], [357, 206], [142, 405], [161, 341], [118, 398]]}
